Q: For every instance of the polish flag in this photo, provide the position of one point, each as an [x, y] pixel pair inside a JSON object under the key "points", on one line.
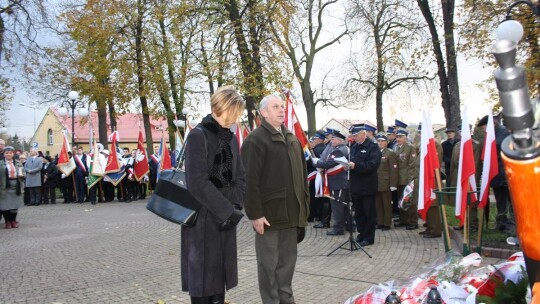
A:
{"points": [[140, 165], [489, 156], [466, 169], [63, 157], [292, 123], [429, 162], [239, 134]]}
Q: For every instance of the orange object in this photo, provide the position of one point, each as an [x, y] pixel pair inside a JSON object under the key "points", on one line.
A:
{"points": [[524, 182]]}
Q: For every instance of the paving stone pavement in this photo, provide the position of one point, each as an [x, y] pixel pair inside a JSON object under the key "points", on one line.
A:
{"points": [[121, 253]]}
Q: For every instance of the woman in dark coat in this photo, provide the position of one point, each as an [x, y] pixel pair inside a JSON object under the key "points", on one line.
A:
{"points": [[11, 175], [215, 177]]}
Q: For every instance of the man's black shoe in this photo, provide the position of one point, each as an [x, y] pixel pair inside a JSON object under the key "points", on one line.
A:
{"points": [[422, 232], [399, 224], [358, 239], [431, 236], [365, 243], [335, 232], [321, 225], [411, 227], [385, 228], [458, 228]]}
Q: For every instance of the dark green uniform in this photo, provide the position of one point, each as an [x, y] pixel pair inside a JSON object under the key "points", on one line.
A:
{"points": [[406, 155], [387, 175]]}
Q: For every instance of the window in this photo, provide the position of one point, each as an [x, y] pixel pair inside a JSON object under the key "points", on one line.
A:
{"points": [[50, 137]]}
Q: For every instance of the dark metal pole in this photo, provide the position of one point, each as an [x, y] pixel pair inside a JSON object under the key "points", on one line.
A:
{"points": [[72, 104]]}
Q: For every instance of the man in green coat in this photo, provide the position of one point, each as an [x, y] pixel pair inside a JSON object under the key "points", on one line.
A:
{"points": [[277, 199]]}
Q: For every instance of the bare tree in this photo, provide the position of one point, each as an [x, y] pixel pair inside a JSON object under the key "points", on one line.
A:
{"points": [[393, 37], [302, 41]]}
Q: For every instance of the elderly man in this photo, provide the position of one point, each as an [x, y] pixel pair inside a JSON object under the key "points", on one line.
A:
{"points": [[364, 162], [337, 180], [277, 199], [33, 167]]}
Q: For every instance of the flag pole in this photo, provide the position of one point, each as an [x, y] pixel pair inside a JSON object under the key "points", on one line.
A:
{"points": [[447, 241], [285, 92]]}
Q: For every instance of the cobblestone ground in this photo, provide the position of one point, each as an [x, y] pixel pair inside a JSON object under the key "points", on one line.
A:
{"points": [[121, 253]]}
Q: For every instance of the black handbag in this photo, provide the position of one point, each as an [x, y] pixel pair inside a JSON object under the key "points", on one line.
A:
{"points": [[171, 200]]}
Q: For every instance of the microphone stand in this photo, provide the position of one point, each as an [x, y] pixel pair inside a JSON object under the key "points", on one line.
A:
{"points": [[351, 244]]}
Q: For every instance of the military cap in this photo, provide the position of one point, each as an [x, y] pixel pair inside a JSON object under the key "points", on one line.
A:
{"points": [[483, 121], [400, 124], [390, 130], [338, 134], [328, 131], [370, 128], [319, 135], [448, 130], [356, 129], [9, 148], [381, 136], [401, 132]]}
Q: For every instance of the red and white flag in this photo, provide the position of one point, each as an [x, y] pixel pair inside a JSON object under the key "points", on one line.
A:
{"points": [[429, 162], [65, 164], [140, 165], [63, 157], [239, 134], [490, 168], [292, 123], [466, 180], [113, 164]]}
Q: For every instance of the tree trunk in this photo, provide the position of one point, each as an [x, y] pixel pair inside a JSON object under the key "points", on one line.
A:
{"points": [[112, 116], [441, 70], [454, 119], [307, 96], [102, 124], [168, 60], [251, 71]]}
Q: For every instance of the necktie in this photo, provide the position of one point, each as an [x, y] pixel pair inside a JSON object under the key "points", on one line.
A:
{"points": [[12, 171]]}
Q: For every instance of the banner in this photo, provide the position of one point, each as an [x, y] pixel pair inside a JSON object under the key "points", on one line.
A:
{"points": [[140, 163]]}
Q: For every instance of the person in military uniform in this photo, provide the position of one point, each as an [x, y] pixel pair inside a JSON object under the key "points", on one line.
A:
{"points": [[337, 181], [406, 155], [319, 206], [387, 175], [398, 124], [391, 135], [363, 165]]}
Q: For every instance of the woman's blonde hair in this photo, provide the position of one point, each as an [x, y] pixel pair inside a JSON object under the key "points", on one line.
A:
{"points": [[227, 100]]}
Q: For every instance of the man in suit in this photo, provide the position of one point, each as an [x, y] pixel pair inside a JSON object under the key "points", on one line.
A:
{"points": [[81, 172], [33, 167], [153, 162]]}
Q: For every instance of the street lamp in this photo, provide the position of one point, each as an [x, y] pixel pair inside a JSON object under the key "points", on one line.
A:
{"points": [[31, 106], [186, 116], [73, 102]]}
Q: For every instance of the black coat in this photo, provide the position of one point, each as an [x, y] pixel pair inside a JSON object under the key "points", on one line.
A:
{"points": [[52, 175], [366, 158], [208, 255]]}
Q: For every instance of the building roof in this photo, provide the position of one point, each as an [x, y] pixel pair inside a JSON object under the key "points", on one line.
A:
{"points": [[128, 126]]}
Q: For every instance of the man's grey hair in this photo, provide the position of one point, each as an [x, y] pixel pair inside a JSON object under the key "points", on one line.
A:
{"points": [[266, 99]]}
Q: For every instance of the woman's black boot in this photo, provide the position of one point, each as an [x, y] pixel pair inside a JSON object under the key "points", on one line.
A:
{"points": [[200, 300], [218, 299]]}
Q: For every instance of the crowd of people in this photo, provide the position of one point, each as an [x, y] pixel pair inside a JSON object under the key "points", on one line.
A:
{"points": [[37, 180], [351, 182]]}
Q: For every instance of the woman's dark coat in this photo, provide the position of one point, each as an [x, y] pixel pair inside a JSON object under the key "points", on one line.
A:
{"points": [[209, 257], [52, 175]]}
